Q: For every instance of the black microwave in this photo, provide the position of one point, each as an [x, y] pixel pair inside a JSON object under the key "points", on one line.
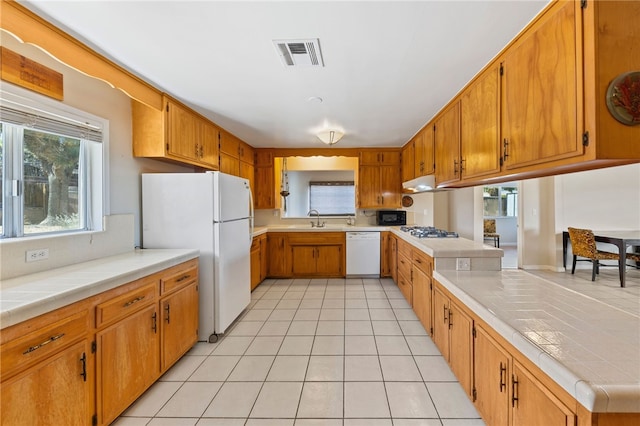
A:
{"points": [[391, 217]]}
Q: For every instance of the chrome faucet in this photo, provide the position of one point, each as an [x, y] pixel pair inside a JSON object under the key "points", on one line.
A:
{"points": [[317, 224]]}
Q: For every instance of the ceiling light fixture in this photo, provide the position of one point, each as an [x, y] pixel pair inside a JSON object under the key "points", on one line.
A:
{"points": [[330, 137]]}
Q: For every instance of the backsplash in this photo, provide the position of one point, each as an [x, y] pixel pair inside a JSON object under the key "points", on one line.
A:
{"points": [[272, 217], [67, 249]]}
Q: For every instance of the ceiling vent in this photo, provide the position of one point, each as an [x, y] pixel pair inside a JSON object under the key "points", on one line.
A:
{"points": [[299, 53]]}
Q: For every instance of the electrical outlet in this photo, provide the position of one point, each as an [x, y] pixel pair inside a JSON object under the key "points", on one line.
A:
{"points": [[36, 255], [463, 264]]}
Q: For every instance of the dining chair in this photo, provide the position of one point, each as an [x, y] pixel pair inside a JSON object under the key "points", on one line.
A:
{"points": [[583, 244], [490, 232]]}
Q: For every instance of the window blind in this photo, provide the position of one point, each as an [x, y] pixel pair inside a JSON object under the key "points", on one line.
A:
{"points": [[332, 197]]}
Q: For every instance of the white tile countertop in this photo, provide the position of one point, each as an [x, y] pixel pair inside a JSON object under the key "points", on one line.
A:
{"points": [[28, 296], [591, 349]]}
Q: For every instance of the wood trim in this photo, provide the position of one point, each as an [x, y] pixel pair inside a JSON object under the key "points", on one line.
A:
{"points": [[326, 152], [30, 28]]}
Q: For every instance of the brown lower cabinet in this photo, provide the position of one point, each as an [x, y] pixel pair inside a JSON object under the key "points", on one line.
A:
{"points": [[258, 260], [306, 254], [87, 362]]}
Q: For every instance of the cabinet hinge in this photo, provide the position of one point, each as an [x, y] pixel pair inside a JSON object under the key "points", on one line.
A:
{"points": [[167, 107], [434, 127], [501, 69], [94, 420], [475, 394], [167, 147], [583, 4], [473, 332], [585, 138], [94, 347]]}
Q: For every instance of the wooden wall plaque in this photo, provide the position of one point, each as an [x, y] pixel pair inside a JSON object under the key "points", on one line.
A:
{"points": [[29, 74]]}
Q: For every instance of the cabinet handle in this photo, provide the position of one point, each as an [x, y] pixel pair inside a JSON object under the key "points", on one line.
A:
{"points": [[462, 165], [503, 376], [505, 145], [168, 311], [154, 322], [445, 313], [450, 316], [455, 167], [197, 154], [131, 302], [184, 277], [83, 360], [46, 342], [514, 388]]}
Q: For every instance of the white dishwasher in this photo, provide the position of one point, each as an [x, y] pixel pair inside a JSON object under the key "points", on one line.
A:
{"points": [[363, 254]]}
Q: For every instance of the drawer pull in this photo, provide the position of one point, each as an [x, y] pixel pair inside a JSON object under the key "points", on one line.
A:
{"points": [[514, 391], [184, 277], [131, 302], [46, 342], [503, 377], [167, 309], [83, 360]]}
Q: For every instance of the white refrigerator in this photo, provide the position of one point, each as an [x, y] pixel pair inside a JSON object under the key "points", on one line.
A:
{"points": [[211, 212]]}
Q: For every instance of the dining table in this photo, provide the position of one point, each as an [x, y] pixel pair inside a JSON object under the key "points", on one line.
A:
{"points": [[621, 239]]}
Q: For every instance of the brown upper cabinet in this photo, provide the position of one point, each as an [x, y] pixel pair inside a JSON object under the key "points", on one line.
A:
{"points": [[407, 155], [378, 179], [175, 133], [540, 108], [380, 157], [424, 152]]}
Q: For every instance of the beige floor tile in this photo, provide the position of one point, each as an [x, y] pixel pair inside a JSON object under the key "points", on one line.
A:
{"points": [[360, 345], [362, 369], [274, 328], [451, 400], [325, 368], [399, 369], [277, 400], [318, 422], [234, 400], [231, 345], [412, 328], [288, 369], [382, 314], [152, 400], [282, 315], [302, 328], [215, 368], [328, 345], [321, 400], [288, 304], [269, 422], [251, 369], [434, 369], [410, 400], [256, 315], [220, 422], [386, 328], [331, 314], [392, 345], [367, 422], [358, 328], [378, 303], [246, 328], [330, 328], [296, 345], [421, 345], [417, 422], [190, 400], [405, 314], [182, 369], [307, 315], [158, 421], [360, 303], [356, 315], [265, 345], [365, 400], [311, 303]]}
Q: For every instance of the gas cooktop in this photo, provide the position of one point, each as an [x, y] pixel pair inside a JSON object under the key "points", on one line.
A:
{"points": [[428, 232]]}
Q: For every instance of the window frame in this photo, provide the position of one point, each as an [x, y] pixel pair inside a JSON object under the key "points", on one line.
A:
{"points": [[94, 154], [350, 184]]}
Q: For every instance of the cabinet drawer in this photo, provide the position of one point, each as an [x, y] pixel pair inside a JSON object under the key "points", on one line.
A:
{"points": [[316, 238], [179, 279], [404, 248], [45, 342], [406, 288], [423, 261], [126, 304], [404, 265]]}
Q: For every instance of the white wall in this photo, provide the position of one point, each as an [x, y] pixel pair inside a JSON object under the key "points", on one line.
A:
{"points": [[463, 217]]}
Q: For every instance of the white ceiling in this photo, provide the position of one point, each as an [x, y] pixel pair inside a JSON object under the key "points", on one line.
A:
{"points": [[389, 65]]}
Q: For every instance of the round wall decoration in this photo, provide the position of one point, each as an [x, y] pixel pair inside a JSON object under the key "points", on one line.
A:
{"points": [[407, 201], [623, 98]]}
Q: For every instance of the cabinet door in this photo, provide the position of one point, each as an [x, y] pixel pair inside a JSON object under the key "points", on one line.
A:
{"points": [[246, 171], [409, 160], [461, 347], [57, 391], [380, 157], [406, 288], [369, 186], [329, 260], [303, 260], [492, 373], [540, 103], [424, 161], [229, 164], [441, 322], [277, 255], [480, 125], [264, 183], [533, 404], [128, 362], [182, 132], [264, 257], [179, 323], [209, 144], [390, 187], [393, 259], [246, 153], [447, 145], [422, 298], [255, 263]]}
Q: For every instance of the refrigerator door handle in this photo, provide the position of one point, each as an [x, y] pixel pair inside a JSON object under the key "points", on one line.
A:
{"points": [[251, 218]]}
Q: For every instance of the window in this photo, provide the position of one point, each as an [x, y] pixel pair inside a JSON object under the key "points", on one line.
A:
{"points": [[500, 201], [332, 198], [51, 165]]}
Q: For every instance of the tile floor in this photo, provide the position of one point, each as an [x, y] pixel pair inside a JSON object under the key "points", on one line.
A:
{"points": [[331, 352]]}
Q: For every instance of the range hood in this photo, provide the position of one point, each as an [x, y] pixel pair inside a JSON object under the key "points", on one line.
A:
{"points": [[421, 184]]}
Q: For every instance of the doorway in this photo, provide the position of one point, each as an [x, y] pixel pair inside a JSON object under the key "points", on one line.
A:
{"points": [[500, 206]]}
